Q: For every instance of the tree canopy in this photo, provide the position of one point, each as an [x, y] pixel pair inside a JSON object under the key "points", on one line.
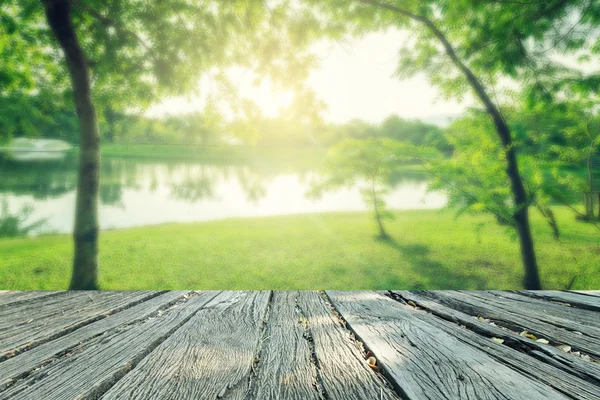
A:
{"points": [[139, 52]]}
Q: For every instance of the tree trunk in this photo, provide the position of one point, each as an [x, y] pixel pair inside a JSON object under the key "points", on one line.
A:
{"points": [[382, 232], [590, 172], [110, 117], [521, 214], [85, 262]]}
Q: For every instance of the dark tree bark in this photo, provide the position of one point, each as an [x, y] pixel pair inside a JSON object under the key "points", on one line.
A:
{"points": [[520, 197], [85, 262]]}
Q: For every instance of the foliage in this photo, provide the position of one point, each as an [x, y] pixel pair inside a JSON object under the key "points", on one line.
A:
{"points": [[414, 132], [563, 135], [474, 177], [583, 139], [505, 44], [142, 51], [286, 131], [41, 114]]}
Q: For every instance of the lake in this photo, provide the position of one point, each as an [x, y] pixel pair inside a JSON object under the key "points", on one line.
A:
{"points": [[137, 192]]}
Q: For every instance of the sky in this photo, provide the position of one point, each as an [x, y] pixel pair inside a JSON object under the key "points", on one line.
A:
{"points": [[355, 80]]}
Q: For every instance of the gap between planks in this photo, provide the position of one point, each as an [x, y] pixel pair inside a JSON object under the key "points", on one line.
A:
{"points": [[539, 361], [96, 365], [309, 342], [22, 365], [419, 353]]}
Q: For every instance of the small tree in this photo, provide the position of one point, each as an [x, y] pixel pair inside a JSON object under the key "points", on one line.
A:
{"points": [[368, 164]]}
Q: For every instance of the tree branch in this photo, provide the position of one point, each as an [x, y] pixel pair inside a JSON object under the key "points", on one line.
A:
{"points": [[109, 22], [565, 203], [464, 192], [569, 32], [553, 8], [477, 86]]}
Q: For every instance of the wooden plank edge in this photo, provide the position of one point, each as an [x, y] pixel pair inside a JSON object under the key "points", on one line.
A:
{"points": [[21, 368], [33, 299], [585, 370], [18, 350], [109, 381], [383, 372], [557, 298]]}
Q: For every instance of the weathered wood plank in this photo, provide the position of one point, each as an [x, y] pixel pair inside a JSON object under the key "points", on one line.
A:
{"points": [[212, 356], [343, 370], [286, 369], [574, 299], [595, 293], [427, 362], [88, 370], [568, 318], [543, 308], [12, 297], [516, 321], [22, 364], [537, 360], [308, 355], [30, 324]]}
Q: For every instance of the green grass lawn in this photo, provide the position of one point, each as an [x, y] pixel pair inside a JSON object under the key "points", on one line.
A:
{"points": [[430, 250]]}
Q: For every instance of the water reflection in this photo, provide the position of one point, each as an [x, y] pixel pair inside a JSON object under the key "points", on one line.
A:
{"points": [[41, 179], [18, 223], [195, 185], [252, 184], [135, 192]]}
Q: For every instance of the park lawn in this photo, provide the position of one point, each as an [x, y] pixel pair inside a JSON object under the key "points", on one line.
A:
{"points": [[429, 250]]}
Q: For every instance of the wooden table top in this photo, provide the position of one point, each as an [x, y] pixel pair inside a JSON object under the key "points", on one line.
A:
{"points": [[300, 345]]}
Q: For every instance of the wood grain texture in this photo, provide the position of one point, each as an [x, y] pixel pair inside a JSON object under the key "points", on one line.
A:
{"points": [[427, 362], [91, 368], [286, 369], [212, 356], [595, 293], [291, 345], [25, 362], [479, 306], [563, 371], [575, 299], [12, 297], [29, 324], [343, 370], [308, 355], [567, 317]]}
